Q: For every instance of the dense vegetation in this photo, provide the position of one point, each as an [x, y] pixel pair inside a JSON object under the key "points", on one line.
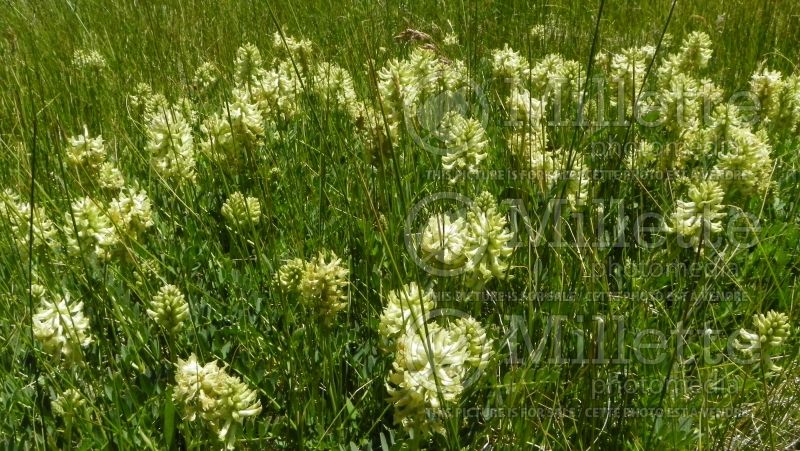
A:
{"points": [[399, 225]]}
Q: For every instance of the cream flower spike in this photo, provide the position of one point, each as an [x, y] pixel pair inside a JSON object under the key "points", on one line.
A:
{"points": [[171, 144], [208, 392], [508, 65], [487, 241], [466, 145], [698, 218], [96, 234], [62, 328], [323, 284], [479, 346], [88, 59], [169, 309], [17, 213], [131, 213], [241, 212], [248, 65], [69, 404], [771, 332], [405, 307], [85, 150], [427, 377], [443, 240]]}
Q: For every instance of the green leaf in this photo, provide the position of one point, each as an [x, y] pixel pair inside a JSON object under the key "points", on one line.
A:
{"points": [[169, 420]]}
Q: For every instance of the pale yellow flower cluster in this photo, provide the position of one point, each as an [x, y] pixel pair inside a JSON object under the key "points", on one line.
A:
{"points": [[240, 211], [320, 282], [16, 214], [88, 59], [699, 218], [169, 309], [432, 361], [61, 327], [479, 242], [89, 153], [208, 392], [100, 228], [771, 332], [170, 142]]}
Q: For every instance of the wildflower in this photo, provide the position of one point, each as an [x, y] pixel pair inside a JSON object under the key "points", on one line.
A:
{"points": [[140, 97], [479, 347], [285, 45], [744, 162], [546, 73], [642, 155], [17, 214], [222, 401], [205, 77], [628, 69], [695, 51], [238, 127], [450, 39], [171, 145], [323, 284], [130, 213], [697, 218], [779, 98], [62, 328], [466, 144], [529, 139], [88, 59], [109, 177], [169, 309], [248, 65], [539, 31], [424, 68], [709, 94], [426, 377], [398, 90], [239, 210], [766, 85], [630, 66], [83, 150], [96, 233], [772, 330], [335, 85], [403, 305], [146, 272], [290, 274], [443, 239], [525, 108], [575, 172], [487, 241], [275, 93], [186, 108], [679, 102], [156, 104], [69, 404], [508, 64]]}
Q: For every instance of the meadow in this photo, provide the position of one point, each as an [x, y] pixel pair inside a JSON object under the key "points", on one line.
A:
{"points": [[399, 225]]}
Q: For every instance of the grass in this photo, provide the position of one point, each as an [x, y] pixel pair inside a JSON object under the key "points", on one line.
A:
{"points": [[322, 384]]}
